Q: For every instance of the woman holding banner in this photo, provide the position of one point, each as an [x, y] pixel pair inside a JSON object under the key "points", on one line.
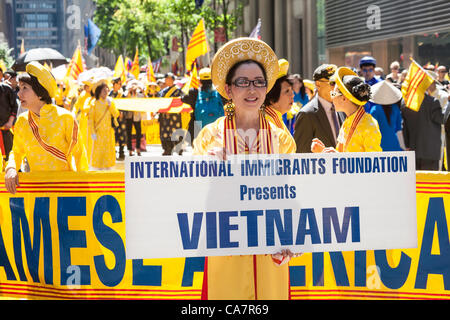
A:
{"points": [[46, 135], [360, 131], [243, 71]]}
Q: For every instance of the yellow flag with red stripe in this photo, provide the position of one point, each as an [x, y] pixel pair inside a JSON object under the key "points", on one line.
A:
{"points": [[415, 85], [76, 65], [193, 81], [198, 45]]}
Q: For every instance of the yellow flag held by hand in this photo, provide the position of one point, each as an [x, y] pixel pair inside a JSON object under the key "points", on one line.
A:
{"points": [[198, 45], [150, 73], [135, 68], [2, 66], [415, 85]]}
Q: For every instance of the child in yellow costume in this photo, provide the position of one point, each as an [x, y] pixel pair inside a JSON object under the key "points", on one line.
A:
{"points": [[244, 76], [47, 135]]}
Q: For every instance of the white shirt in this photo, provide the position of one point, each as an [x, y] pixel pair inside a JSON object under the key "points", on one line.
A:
{"points": [[327, 106]]}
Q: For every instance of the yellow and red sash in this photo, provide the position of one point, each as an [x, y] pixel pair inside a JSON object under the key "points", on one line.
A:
{"points": [[50, 149], [359, 115], [235, 144], [274, 115]]}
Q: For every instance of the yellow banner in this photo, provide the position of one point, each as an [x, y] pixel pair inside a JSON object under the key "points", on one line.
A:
{"points": [[62, 236], [164, 105]]}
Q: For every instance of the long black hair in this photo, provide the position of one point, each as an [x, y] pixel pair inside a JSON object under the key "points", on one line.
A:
{"points": [[206, 85], [357, 87], [99, 89], [302, 88]]}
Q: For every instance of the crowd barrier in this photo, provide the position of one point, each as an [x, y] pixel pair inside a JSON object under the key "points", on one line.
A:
{"points": [[62, 236]]}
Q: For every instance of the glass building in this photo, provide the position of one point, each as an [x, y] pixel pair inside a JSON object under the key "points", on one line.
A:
{"points": [[38, 24]]}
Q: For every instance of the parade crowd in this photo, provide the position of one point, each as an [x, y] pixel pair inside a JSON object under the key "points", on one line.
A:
{"points": [[303, 107], [246, 103]]}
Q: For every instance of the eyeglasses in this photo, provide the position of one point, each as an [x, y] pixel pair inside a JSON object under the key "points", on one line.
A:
{"points": [[245, 83], [335, 93], [367, 70]]}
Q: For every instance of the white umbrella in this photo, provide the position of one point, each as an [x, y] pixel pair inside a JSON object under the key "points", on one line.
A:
{"points": [[59, 72], [95, 74]]}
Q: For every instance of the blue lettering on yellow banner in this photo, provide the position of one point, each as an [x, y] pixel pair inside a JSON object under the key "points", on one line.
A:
{"points": [[431, 263]]}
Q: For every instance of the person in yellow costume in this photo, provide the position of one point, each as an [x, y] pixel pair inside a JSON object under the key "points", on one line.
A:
{"points": [[47, 135], [102, 133], [243, 71], [280, 98], [81, 107], [360, 131]]}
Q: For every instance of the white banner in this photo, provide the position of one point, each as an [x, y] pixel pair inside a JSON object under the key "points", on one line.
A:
{"points": [[250, 204]]}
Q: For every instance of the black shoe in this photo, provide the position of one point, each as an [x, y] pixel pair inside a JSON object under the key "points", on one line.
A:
{"points": [[121, 157]]}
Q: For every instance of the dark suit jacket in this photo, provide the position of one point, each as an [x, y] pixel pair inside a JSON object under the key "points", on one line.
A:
{"points": [[8, 103], [312, 122], [422, 130], [447, 133]]}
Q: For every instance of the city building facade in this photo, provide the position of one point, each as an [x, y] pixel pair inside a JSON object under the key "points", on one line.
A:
{"points": [[56, 24], [389, 31], [292, 28], [311, 32], [38, 24]]}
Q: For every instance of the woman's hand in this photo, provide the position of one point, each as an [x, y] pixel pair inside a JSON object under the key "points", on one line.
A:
{"points": [[317, 146], [219, 152], [329, 150], [284, 257], [11, 180]]}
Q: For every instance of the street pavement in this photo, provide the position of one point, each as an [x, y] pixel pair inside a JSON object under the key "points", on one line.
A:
{"points": [[154, 150]]}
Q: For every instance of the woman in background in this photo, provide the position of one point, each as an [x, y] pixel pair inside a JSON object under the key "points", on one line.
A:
{"points": [[280, 98], [102, 132]]}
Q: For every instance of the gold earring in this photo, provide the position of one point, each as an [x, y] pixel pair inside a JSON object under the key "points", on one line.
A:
{"points": [[229, 110], [263, 108]]}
